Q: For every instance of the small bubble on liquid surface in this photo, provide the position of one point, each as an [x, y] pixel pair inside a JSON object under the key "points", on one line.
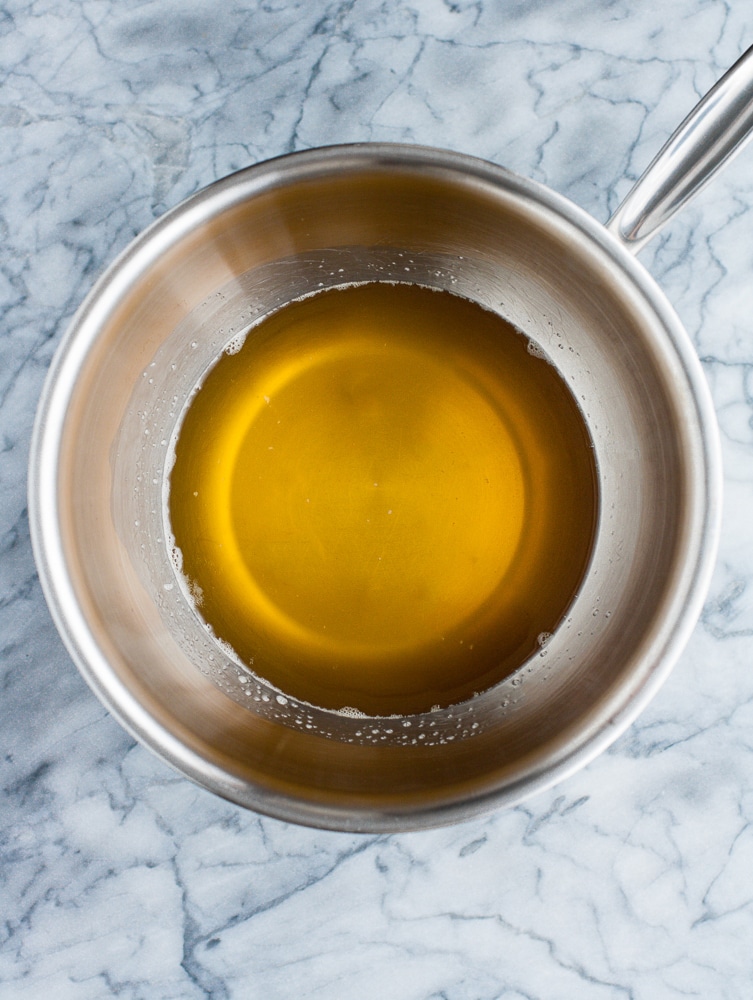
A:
{"points": [[536, 351], [351, 712]]}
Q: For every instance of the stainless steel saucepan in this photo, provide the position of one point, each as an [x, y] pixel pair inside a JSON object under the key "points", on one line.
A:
{"points": [[200, 277]]}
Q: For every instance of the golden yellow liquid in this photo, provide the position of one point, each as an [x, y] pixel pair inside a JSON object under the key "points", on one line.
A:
{"points": [[383, 499]]}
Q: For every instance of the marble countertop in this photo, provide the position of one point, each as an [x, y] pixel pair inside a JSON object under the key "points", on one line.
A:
{"points": [[632, 879]]}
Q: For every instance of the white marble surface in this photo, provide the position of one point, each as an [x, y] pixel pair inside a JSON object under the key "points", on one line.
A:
{"points": [[633, 879]]}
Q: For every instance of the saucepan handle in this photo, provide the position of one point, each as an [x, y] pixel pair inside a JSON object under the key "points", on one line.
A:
{"points": [[713, 132]]}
